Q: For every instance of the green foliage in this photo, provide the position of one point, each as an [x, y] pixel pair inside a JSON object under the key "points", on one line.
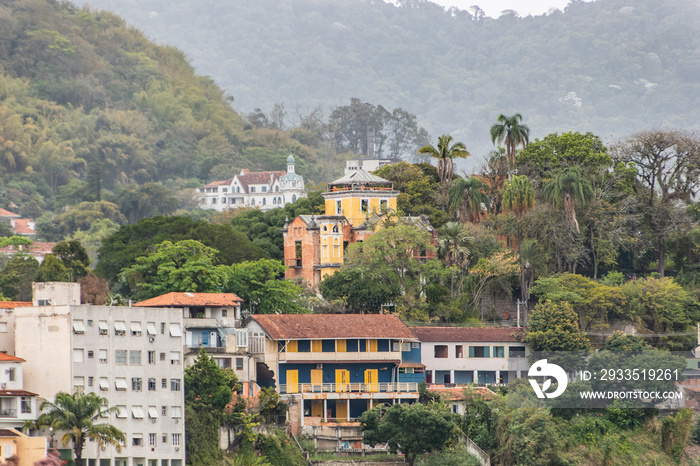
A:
{"points": [[278, 450], [542, 156], [411, 429], [358, 292], [52, 270], [262, 289], [674, 433], [186, 265], [270, 406], [444, 152], [554, 327], [528, 436], [454, 456], [17, 276], [74, 257], [201, 437]]}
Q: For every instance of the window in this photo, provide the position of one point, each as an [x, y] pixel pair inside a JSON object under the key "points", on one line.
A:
{"points": [[7, 451], [163, 383], [224, 313], [516, 351], [89, 322], [459, 351], [264, 189], [102, 356], [441, 351], [120, 383], [175, 385], [151, 357], [415, 345], [137, 440], [241, 338], [121, 411], [78, 327], [135, 357], [91, 354], [162, 356], [79, 383], [498, 351], [338, 208], [104, 384], [103, 327], [151, 440], [136, 384], [44, 302], [153, 412], [175, 330], [120, 328], [136, 329], [479, 352], [364, 206], [223, 363], [26, 405], [151, 328], [239, 364], [151, 385], [90, 381], [252, 201], [11, 374], [120, 356], [175, 357], [78, 355], [252, 189], [164, 411], [176, 412], [162, 328], [383, 205], [164, 440], [137, 412], [176, 440]]}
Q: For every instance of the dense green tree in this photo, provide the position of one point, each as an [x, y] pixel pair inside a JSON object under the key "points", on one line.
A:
{"points": [[17, 276], [454, 244], [359, 293], [510, 132], [410, 429], [518, 195], [77, 416], [74, 257], [554, 327], [52, 270], [444, 153], [466, 196], [563, 151], [186, 265], [146, 200], [568, 188], [261, 286]]}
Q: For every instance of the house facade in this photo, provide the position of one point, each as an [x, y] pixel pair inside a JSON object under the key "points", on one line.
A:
{"points": [[263, 190], [130, 356], [20, 226], [466, 355], [28, 450], [334, 367], [368, 165], [17, 405]]}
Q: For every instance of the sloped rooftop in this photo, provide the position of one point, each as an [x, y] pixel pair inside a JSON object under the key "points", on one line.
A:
{"points": [[333, 326], [186, 299], [467, 334]]}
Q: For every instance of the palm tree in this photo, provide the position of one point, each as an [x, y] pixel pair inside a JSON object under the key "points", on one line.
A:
{"points": [[509, 132], [494, 175], [76, 415], [519, 196], [467, 196], [445, 153], [568, 187], [454, 244]]}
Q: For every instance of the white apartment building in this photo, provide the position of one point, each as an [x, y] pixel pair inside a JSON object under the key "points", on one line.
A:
{"points": [[130, 356], [17, 405], [368, 165], [263, 190], [466, 355]]}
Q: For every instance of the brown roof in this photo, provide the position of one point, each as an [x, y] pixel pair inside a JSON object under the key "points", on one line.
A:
{"points": [[333, 326], [37, 248], [22, 227], [466, 334], [8, 433], [7, 213], [247, 178], [14, 304], [16, 393], [457, 393], [219, 183], [4, 357], [177, 299]]}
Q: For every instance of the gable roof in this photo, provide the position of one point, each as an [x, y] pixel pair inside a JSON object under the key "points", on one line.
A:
{"points": [[23, 227], [219, 183], [360, 176], [7, 213], [246, 178], [467, 334], [14, 304], [178, 299], [333, 326], [4, 357]]}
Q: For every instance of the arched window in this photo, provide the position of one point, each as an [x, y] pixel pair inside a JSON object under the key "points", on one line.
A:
{"points": [[294, 197], [325, 228], [264, 201], [252, 201], [277, 189], [336, 229], [279, 200]]}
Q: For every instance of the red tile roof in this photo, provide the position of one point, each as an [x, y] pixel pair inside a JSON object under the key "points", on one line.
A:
{"points": [[466, 334], [37, 248], [22, 227], [14, 304], [4, 357], [219, 183], [177, 299], [247, 178], [16, 393], [458, 393], [7, 213], [9, 433], [333, 326]]}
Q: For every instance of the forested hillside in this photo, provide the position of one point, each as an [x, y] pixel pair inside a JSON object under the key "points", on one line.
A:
{"points": [[612, 67]]}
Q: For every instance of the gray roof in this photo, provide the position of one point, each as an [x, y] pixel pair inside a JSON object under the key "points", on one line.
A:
{"points": [[359, 176]]}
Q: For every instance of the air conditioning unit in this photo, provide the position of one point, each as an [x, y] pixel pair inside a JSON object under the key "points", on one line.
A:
{"points": [[151, 339]]}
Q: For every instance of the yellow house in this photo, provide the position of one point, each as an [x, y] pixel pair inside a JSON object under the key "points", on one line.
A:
{"points": [[28, 449]]}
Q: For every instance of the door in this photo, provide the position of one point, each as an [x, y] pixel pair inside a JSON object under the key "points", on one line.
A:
{"points": [[317, 408], [341, 410], [340, 346], [316, 346], [293, 381], [372, 380], [372, 346], [316, 380], [342, 379], [205, 338]]}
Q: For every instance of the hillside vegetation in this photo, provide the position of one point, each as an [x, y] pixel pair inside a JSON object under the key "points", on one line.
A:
{"points": [[612, 67]]}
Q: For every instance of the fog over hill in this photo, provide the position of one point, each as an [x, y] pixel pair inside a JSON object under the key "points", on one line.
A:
{"points": [[612, 67]]}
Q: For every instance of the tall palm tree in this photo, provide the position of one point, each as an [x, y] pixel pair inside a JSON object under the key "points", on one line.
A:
{"points": [[511, 133], [467, 195], [76, 415], [454, 244], [445, 153], [569, 187], [494, 175], [519, 196]]}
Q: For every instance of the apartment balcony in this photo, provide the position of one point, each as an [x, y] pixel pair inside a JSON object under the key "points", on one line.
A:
{"points": [[385, 387], [6, 413], [354, 356]]}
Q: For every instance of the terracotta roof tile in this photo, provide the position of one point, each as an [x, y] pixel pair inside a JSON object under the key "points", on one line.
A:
{"points": [[14, 304], [177, 299], [466, 334], [219, 183], [4, 357], [7, 213], [330, 326], [247, 178], [457, 393], [37, 248], [22, 227], [16, 393]]}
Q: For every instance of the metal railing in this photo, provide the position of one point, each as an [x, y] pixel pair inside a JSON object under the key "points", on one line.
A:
{"points": [[8, 413], [384, 387]]}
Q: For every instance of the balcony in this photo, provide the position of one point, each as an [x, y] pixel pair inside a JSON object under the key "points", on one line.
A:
{"points": [[4, 413], [354, 356], [385, 387]]}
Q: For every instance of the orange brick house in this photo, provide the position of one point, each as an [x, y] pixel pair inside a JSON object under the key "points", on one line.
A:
{"points": [[314, 246]]}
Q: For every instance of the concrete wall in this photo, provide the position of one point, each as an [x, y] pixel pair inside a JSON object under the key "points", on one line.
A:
{"points": [[58, 293], [28, 449]]}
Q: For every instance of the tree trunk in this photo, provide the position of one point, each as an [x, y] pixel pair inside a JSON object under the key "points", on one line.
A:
{"points": [[522, 270], [662, 258]]}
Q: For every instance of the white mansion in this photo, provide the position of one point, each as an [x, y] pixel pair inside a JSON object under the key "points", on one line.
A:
{"points": [[264, 190]]}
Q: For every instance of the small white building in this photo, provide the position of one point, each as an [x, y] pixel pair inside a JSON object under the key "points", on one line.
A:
{"points": [[263, 190], [17, 405], [368, 165], [465, 355]]}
